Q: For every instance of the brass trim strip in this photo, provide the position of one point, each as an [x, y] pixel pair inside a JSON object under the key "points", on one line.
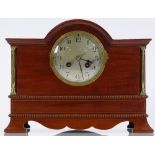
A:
{"points": [[106, 97], [13, 84], [143, 91], [77, 115]]}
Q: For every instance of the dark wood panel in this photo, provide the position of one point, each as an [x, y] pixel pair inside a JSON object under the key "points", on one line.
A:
{"points": [[108, 106], [35, 76]]}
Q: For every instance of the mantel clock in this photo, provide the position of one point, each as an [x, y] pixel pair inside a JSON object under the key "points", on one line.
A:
{"points": [[78, 76]]}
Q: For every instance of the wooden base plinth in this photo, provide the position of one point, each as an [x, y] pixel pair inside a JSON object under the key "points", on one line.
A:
{"points": [[141, 126], [78, 121], [15, 126]]}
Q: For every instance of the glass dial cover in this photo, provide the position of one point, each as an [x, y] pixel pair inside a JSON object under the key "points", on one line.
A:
{"points": [[78, 58]]}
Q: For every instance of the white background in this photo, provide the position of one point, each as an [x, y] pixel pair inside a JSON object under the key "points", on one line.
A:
{"points": [[38, 28]]}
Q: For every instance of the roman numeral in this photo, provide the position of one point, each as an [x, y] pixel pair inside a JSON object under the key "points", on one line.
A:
{"points": [[62, 48], [69, 41], [95, 48], [77, 76], [87, 42], [78, 38], [97, 58], [61, 66], [60, 58], [67, 74], [93, 68]]}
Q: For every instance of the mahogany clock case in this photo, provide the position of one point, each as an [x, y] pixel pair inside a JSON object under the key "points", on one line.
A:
{"points": [[118, 95]]}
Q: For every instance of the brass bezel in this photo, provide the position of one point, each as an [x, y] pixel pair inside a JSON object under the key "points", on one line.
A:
{"points": [[104, 59]]}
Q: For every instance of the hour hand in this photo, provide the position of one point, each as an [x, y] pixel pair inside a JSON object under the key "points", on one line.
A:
{"points": [[88, 61]]}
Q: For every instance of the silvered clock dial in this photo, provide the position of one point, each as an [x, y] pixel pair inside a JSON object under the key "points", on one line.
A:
{"points": [[78, 58]]}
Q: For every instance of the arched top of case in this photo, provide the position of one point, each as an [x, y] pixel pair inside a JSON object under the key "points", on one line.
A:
{"points": [[78, 24], [81, 25]]}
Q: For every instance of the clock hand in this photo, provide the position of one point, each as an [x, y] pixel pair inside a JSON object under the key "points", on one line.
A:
{"points": [[81, 69], [88, 61], [76, 58]]}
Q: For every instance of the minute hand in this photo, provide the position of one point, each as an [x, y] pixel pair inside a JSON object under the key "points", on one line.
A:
{"points": [[81, 69]]}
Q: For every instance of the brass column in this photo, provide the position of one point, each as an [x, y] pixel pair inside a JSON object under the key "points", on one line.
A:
{"points": [[143, 91], [13, 83]]}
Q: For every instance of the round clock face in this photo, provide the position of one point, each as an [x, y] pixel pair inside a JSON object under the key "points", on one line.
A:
{"points": [[78, 58]]}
